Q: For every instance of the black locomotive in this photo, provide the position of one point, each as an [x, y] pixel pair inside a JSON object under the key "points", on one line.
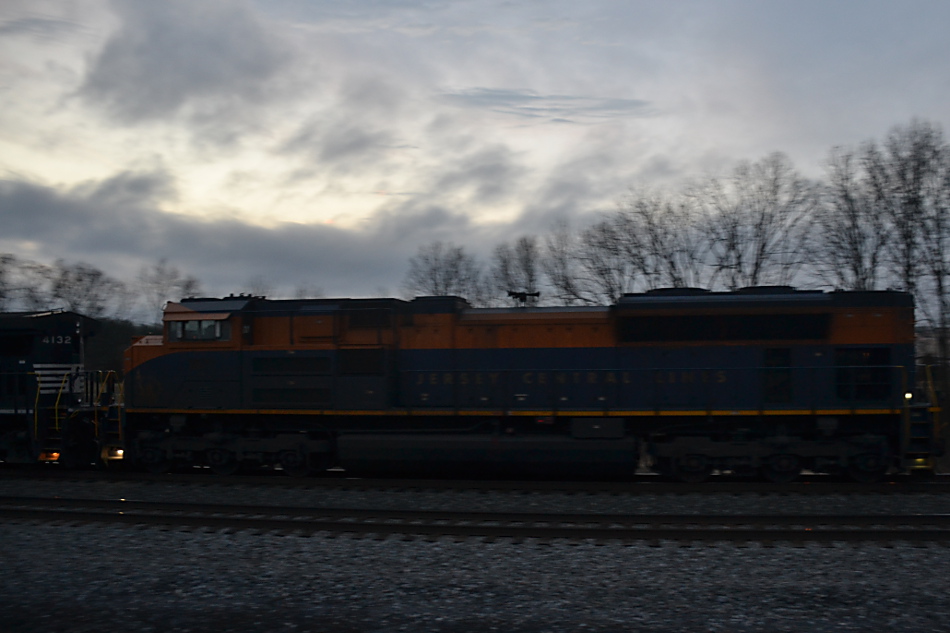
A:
{"points": [[51, 408]]}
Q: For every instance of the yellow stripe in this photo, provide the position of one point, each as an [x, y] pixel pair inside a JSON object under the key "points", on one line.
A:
{"points": [[548, 414], [364, 413], [525, 413]]}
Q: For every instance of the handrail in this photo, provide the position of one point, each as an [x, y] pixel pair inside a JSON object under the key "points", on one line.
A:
{"points": [[97, 400], [36, 407], [59, 395], [931, 389], [102, 386], [934, 403], [905, 413]]}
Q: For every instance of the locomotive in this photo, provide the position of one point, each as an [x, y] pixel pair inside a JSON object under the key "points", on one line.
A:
{"points": [[51, 408], [688, 382]]}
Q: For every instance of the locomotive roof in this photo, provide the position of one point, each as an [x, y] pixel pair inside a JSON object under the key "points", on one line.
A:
{"points": [[665, 298], [20, 320], [223, 307], [540, 310], [764, 296]]}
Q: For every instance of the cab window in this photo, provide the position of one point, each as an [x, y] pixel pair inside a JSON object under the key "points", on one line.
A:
{"points": [[199, 331]]}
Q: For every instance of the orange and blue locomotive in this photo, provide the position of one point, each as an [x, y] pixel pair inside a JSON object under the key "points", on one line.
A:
{"points": [[688, 382]]}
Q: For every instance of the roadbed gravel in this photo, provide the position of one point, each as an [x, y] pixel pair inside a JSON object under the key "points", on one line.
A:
{"points": [[75, 578], [62, 578]]}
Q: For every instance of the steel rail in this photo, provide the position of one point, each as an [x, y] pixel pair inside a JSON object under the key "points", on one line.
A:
{"points": [[640, 485], [544, 526]]}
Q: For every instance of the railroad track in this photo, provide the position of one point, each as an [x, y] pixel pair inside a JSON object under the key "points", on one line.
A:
{"points": [[918, 529], [642, 484]]}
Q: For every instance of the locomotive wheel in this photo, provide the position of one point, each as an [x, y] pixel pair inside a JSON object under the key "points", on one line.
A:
{"points": [[782, 469], [79, 455], [867, 468], [80, 447], [665, 468], [222, 462], [294, 463], [693, 469], [155, 461]]}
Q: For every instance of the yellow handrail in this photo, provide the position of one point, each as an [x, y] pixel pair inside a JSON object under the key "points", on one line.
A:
{"points": [[59, 394], [905, 411], [931, 390], [102, 385], [97, 400], [934, 404]]}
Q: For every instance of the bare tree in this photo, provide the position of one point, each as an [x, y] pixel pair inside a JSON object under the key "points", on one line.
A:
{"points": [[604, 262], [517, 269], [83, 288], [935, 257], [7, 262], [560, 265], [79, 287], [440, 269], [758, 222], [663, 239], [32, 285], [849, 245], [160, 283], [259, 286], [901, 174], [307, 291]]}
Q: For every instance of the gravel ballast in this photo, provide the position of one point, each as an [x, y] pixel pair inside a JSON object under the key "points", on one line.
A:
{"points": [[109, 578], [104, 578]]}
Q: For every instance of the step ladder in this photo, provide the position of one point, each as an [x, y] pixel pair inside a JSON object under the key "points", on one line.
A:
{"points": [[919, 439]]}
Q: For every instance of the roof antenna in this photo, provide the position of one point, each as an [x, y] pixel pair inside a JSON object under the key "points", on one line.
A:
{"points": [[523, 296]]}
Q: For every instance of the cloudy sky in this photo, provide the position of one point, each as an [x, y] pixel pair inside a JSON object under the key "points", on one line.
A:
{"points": [[319, 143]]}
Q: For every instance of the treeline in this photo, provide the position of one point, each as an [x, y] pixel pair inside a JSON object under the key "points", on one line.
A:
{"points": [[30, 286], [124, 309], [878, 219]]}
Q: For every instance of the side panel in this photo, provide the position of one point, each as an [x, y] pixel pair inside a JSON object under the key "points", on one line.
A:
{"points": [[187, 380], [477, 455], [288, 380], [263, 380], [712, 378]]}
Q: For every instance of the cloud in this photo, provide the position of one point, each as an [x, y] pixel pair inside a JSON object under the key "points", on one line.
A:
{"points": [[179, 56], [386, 125], [130, 190], [118, 226], [116, 215], [338, 144], [555, 107], [51, 28], [490, 175]]}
